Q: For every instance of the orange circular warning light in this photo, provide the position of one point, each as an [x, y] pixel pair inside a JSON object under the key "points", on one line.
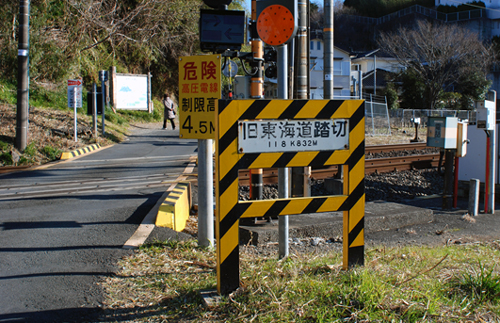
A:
{"points": [[275, 25]]}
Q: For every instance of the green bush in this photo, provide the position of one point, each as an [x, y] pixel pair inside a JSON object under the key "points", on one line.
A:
{"points": [[4, 146], [51, 152], [42, 97], [30, 149], [6, 159], [8, 92]]}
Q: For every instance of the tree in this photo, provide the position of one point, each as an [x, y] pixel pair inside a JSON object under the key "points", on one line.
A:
{"points": [[440, 56], [72, 38]]}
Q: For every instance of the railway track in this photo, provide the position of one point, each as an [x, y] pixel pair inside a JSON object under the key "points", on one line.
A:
{"points": [[372, 165]]}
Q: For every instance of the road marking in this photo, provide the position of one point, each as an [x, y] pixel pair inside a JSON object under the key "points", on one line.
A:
{"points": [[148, 224]]}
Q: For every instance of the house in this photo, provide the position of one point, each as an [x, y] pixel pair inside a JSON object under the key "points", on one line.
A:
{"points": [[341, 69], [376, 67]]}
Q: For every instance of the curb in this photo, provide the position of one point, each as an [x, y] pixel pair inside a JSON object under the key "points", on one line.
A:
{"points": [[379, 216], [173, 213], [79, 152]]}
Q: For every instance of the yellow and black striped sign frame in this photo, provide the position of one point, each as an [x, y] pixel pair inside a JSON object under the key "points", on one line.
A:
{"points": [[229, 160]]}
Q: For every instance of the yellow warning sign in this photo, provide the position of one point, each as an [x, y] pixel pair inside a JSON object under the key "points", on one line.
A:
{"points": [[199, 90]]}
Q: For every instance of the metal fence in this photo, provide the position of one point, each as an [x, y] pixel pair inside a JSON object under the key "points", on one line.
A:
{"points": [[404, 117], [446, 17], [377, 120]]}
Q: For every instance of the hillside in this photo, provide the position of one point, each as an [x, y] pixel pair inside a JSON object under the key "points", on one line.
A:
{"points": [[50, 133]]}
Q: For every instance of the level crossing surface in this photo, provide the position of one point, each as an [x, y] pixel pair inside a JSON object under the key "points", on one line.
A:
{"points": [[63, 227]]}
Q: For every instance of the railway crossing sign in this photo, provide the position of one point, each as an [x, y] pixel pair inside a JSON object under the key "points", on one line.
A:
{"points": [[199, 89], [237, 120]]}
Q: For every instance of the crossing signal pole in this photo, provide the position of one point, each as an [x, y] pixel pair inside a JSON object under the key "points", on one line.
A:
{"points": [[256, 92]]}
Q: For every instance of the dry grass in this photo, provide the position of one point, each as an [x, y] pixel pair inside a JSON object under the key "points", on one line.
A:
{"points": [[52, 128], [398, 136], [162, 282]]}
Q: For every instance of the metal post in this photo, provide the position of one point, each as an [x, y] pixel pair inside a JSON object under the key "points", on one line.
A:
{"points": [[23, 76], [283, 187], [492, 96], [375, 74], [455, 183], [150, 108], [74, 106], [371, 110], [448, 179], [94, 109], [388, 117], [491, 178], [473, 197], [283, 172], [205, 194], [360, 84], [103, 106]]}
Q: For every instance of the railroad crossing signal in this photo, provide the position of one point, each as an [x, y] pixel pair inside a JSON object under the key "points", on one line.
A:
{"points": [[250, 116], [276, 21]]}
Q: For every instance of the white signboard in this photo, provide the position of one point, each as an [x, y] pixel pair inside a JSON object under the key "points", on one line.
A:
{"points": [[75, 85], [132, 92], [293, 135]]}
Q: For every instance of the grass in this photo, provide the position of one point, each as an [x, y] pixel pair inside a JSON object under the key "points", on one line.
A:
{"points": [[162, 281]]}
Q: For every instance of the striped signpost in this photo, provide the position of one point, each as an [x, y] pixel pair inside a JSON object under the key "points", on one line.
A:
{"points": [[290, 133]]}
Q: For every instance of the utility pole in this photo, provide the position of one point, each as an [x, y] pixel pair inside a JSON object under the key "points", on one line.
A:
{"points": [[301, 175], [328, 51], [23, 76]]}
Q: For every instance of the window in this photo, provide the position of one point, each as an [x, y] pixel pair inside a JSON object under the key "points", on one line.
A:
{"points": [[337, 67], [318, 47], [312, 45]]}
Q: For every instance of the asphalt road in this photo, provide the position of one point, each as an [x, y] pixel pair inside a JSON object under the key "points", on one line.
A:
{"points": [[63, 227]]}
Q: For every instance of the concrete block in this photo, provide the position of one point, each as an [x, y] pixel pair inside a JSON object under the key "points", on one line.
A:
{"points": [[174, 211]]}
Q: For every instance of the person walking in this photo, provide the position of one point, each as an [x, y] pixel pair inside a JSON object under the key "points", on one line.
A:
{"points": [[169, 111]]}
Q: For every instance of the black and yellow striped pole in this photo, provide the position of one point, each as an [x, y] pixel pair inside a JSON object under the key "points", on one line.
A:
{"points": [[230, 158]]}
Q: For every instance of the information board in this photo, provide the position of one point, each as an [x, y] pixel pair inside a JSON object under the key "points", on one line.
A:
{"points": [[199, 90], [75, 85], [131, 92]]}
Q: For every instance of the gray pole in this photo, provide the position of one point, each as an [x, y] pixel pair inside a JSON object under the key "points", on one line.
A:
{"points": [[74, 106], [491, 198], [283, 172], [360, 84], [23, 76], [473, 197], [94, 109], [205, 194], [328, 51], [103, 105], [150, 109], [375, 74]]}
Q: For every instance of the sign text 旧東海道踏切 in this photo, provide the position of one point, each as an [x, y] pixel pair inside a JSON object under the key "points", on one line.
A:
{"points": [[293, 135]]}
